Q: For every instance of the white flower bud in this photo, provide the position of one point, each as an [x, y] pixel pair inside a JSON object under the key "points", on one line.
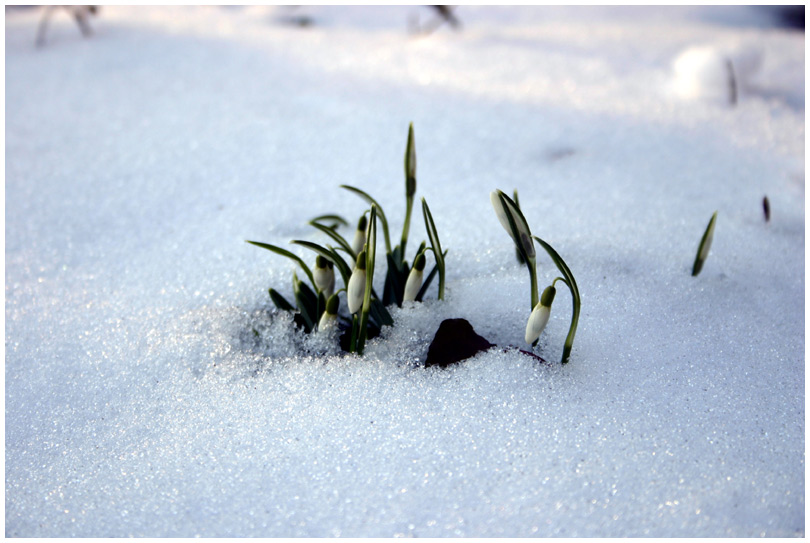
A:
{"points": [[540, 314], [360, 235], [324, 276], [356, 290], [413, 285], [414, 282], [327, 322], [329, 317]]}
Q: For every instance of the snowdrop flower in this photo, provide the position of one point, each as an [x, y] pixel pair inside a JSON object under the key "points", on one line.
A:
{"points": [[414, 282], [356, 290], [360, 235], [504, 209], [329, 317], [539, 317], [324, 275]]}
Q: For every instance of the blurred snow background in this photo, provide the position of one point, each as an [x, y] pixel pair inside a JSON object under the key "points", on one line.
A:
{"points": [[138, 401]]}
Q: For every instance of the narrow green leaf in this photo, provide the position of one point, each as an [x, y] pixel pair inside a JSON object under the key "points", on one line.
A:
{"points": [[433, 236], [288, 254], [428, 280], [705, 245], [335, 219], [426, 283], [373, 202], [280, 301], [380, 314], [396, 277], [307, 303], [340, 240], [519, 256]]}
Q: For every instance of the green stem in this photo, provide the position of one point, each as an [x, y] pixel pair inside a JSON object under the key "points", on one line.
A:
{"points": [[406, 226], [353, 341], [569, 341], [532, 265]]}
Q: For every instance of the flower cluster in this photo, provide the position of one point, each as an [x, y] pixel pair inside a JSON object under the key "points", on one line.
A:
{"points": [[318, 307]]}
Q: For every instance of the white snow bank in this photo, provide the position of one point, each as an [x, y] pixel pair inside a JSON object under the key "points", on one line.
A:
{"points": [[139, 401]]}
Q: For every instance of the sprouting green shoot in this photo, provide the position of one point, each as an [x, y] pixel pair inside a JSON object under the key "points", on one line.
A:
{"points": [[410, 187], [705, 245], [435, 245]]}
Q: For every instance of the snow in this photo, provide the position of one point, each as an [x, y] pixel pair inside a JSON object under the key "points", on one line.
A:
{"points": [[140, 402]]}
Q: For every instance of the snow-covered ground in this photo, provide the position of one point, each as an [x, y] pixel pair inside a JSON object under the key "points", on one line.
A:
{"points": [[139, 402]]}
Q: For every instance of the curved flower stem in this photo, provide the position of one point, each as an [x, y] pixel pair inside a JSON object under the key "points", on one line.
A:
{"points": [[533, 279], [568, 279]]}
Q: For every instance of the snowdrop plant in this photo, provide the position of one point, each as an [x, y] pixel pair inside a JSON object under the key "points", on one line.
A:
{"points": [[317, 307], [515, 224]]}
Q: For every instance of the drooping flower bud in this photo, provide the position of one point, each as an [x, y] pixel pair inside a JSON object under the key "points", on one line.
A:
{"points": [[414, 282], [324, 275], [329, 317], [540, 314], [357, 285], [360, 235]]}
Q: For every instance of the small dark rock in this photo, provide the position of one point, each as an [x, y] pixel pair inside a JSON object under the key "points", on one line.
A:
{"points": [[455, 340]]}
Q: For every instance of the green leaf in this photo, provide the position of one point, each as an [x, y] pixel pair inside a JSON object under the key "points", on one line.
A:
{"points": [[519, 256], [340, 240], [336, 219], [280, 301], [395, 280], [380, 314], [436, 246], [288, 254], [705, 245], [307, 303], [373, 202]]}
